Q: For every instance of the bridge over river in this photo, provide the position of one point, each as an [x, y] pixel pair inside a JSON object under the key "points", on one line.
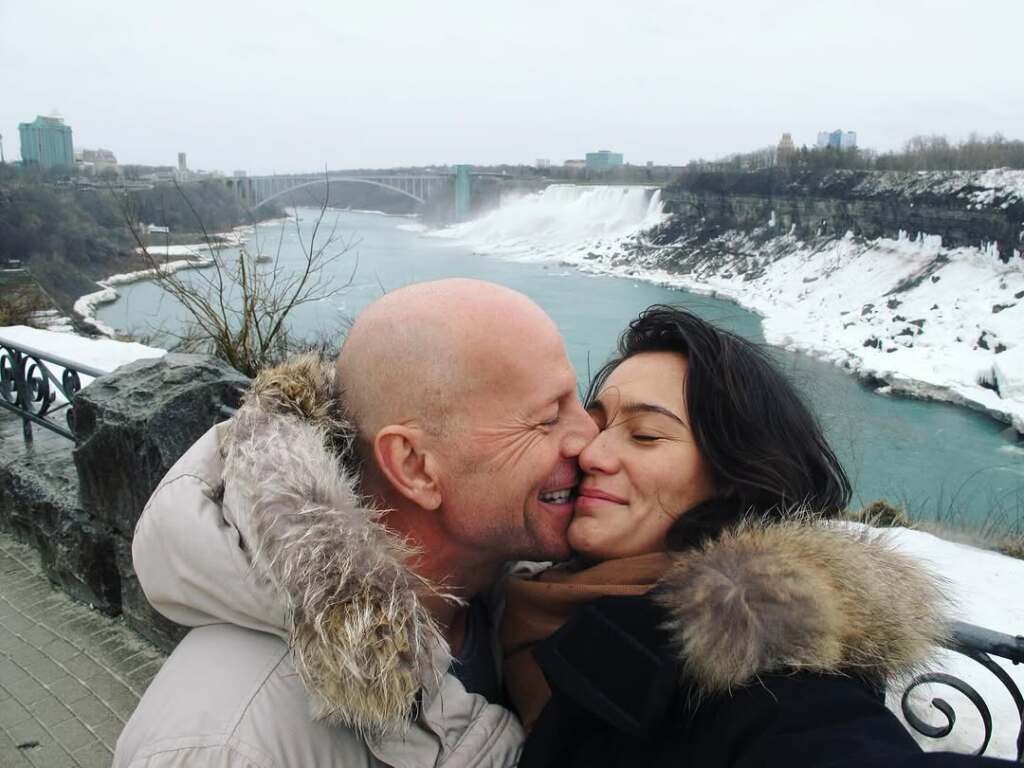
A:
{"points": [[420, 187]]}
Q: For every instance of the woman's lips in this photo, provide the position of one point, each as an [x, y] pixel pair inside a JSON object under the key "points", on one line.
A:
{"points": [[595, 494]]}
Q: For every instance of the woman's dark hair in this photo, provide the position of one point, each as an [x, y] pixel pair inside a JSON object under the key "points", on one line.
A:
{"points": [[763, 447]]}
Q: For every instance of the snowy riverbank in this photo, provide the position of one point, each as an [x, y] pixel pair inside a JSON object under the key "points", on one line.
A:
{"points": [[196, 256], [908, 315], [913, 317]]}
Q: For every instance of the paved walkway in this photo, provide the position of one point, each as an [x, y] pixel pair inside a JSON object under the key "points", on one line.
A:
{"points": [[69, 676]]}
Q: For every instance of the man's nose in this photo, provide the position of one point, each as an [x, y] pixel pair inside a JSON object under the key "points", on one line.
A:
{"points": [[581, 430]]}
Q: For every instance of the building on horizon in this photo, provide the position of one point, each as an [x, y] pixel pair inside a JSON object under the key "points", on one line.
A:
{"points": [[603, 159], [46, 143], [837, 139], [543, 162], [181, 172], [95, 160], [786, 149], [574, 164]]}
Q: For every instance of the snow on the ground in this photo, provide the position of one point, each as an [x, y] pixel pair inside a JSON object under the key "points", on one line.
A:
{"points": [[986, 589], [930, 322], [924, 320], [52, 320], [103, 354]]}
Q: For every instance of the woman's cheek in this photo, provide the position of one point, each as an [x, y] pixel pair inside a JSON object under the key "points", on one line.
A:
{"points": [[584, 534]]}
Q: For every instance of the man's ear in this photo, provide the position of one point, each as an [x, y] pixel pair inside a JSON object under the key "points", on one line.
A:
{"points": [[408, 464]]}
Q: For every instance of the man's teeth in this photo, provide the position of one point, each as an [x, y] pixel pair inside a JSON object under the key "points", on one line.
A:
{"points": [[557, 497]]}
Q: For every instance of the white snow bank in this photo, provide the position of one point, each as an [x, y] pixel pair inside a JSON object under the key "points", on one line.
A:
{"points": [[986, 588], [930, 322], [103, 354], [85, 306]]}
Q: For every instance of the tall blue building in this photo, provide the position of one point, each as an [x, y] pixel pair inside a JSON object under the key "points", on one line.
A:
{"points": [[46, 143], [602, 160]]}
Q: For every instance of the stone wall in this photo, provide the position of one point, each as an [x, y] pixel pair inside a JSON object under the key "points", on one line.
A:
{"points": [[78, 504]]}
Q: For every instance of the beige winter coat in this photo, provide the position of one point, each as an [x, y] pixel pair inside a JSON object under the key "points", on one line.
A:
{"points": [[310, 645]]}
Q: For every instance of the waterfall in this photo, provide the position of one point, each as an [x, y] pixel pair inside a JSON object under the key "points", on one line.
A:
{"points": [[562, 222]]}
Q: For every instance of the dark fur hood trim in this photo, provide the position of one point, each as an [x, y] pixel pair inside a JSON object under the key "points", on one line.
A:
{"points": [[800, 595]]}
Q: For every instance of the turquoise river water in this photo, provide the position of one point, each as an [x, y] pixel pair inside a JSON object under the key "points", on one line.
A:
{"points": [[937, 459]]}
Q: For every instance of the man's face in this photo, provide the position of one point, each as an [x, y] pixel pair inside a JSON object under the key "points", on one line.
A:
{"points": [[507, 489]]}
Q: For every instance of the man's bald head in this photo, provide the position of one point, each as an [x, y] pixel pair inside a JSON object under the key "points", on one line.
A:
{"points": [[417, 353]]}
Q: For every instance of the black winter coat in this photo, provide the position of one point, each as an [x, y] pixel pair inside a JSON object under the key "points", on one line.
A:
{"points": [[619, 701]]}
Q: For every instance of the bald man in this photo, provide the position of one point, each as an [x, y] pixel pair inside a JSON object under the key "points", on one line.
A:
{"points": [[328, 544]]}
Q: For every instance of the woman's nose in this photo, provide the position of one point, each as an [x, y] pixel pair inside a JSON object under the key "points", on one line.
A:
{"points": [[598, 457]]}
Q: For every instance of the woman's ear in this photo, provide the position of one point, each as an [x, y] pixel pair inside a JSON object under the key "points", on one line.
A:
{"points": [[406, 461]]}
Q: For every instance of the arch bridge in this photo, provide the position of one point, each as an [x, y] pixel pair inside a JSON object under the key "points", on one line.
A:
{"points": [[257, 190]]}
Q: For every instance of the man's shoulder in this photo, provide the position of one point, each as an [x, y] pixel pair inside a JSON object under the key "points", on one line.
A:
{"points": [[230, 696]]}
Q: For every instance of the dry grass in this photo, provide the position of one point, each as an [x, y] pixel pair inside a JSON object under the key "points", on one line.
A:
{"points": [[999, 532], [18, 307]]}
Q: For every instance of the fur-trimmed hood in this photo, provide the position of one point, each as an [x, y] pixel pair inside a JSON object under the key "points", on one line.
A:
{"points": [[298, 553], [800, 595], [361, 638]]}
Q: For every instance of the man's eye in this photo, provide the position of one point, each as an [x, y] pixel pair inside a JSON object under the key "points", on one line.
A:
{"points": [[549, 422], [645, 438]]}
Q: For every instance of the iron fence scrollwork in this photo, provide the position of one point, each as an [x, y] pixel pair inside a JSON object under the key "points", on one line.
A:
{"points": [[29, 387], [980, 645]]}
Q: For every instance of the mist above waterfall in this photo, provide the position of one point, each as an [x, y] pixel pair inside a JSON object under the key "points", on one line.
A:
{"points": [[562, 221]]}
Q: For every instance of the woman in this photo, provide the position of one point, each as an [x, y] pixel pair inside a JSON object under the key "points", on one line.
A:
{"points": [[695, 580]]}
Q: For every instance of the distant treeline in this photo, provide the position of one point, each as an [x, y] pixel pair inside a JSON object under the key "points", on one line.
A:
{"points": [[921, 153], [70, 236]]}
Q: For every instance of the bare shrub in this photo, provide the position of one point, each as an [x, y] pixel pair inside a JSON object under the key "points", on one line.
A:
{"points": [[239, 308]]}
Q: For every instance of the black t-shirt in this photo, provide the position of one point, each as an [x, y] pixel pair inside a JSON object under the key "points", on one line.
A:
{"points": [[475, 666]]}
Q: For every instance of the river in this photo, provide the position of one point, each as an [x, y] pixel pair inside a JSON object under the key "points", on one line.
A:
{"points": [[941, 461]]}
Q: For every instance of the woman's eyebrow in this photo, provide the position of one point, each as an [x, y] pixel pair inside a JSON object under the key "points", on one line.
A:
{"points": [[633, 409]]}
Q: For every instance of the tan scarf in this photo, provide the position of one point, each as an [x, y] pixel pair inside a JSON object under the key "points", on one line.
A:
{"points": [[535, 609]]}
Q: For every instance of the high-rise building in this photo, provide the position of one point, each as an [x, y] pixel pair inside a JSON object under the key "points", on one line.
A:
{"points": [[543, 162], [837, 139], [46, 143], [603, 159], [182, 164]]}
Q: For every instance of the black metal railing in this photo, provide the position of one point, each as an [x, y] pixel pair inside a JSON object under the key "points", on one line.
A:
{"points": [[980, 645], [29, 388]]}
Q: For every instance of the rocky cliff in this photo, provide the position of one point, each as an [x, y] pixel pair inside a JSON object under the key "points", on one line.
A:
{"points": [[965, 209]]}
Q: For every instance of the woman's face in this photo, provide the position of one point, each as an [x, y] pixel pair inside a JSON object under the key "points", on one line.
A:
{"points": [[643, 470]]}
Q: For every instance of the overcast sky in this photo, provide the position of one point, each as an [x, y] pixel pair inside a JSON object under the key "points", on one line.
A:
{"points": [[294, 86]]}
